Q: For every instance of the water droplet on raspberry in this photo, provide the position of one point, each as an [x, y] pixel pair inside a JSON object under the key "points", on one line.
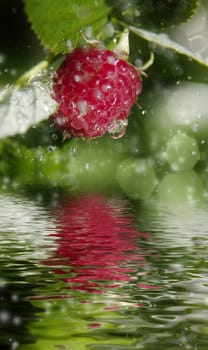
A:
{"points": [[97, 94], [77, 78], [106, 87], [111, 59], [83, 107], [118, 129]]}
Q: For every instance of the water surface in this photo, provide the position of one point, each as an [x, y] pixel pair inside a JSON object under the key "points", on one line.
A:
{"points": [[97, 272]]}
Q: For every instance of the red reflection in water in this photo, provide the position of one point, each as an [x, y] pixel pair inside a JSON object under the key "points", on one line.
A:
{"points": [[96, 238]]}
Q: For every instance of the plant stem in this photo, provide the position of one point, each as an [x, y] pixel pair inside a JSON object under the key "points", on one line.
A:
{"points": [[37, 69]]}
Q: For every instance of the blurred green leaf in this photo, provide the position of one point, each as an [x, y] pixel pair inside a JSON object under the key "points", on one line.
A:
{"points": [[59, 24]]}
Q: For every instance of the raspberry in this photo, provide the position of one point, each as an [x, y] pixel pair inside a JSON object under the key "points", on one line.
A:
{"points": [[95, 91]]}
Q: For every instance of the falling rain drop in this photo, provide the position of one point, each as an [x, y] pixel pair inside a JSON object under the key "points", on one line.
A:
{"points": [[54, 136], [2, 58], [73, 151], [195, 126], [51, 148], [138, 63]]}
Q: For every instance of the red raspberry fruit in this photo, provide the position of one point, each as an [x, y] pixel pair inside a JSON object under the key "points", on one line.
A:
{"points": [[95, 91]]}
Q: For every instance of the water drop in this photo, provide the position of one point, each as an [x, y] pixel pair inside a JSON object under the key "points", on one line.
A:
{"points": [[137, 13], [4, 316], [111, 59], [198, 43], [60, 120], [177, 70], [2, 58], [83, 107], [16, 320], [138, 63], [118, 128], [109, 29], [69, 45], [77, 78], [15, 345], [13, 71], [97, 94], [106, 87], [46, 108], [3, 283], [88, 32], [51, 148], [195, 127], [73, 151], [54, 136], [14, 297]]}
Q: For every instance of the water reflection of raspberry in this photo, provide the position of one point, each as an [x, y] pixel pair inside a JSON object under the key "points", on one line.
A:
{"points": [[96, 238]]}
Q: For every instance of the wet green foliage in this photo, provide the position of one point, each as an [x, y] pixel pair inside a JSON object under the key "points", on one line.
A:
{"points": [[59, 25], [154, 14]]}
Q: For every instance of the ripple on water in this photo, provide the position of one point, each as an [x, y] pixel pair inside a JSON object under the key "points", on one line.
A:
{"points": [[102, 273]]}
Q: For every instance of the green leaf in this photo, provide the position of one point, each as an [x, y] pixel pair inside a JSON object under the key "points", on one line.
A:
{"points": [[23, 107], [59, 24], [163, 40], [154, 14]]}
